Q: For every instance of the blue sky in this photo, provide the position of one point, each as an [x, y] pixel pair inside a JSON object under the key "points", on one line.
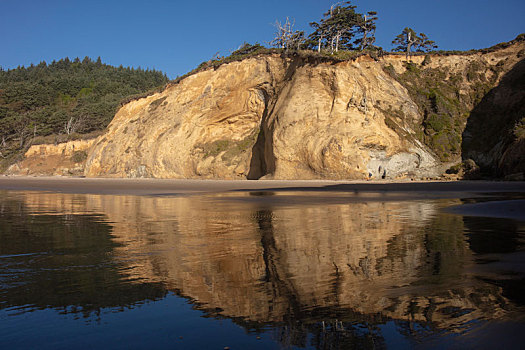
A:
{"points": [[175, 36]]}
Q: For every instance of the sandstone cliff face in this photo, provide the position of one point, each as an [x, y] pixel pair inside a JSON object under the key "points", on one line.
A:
{"points": [[66, 158], [282, 118], [295, 117], [291, 118]]}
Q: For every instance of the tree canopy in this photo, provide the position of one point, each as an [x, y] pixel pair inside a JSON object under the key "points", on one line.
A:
{"points": [[286, 37], [340, 28], [336, 29], [367, 28], [64, 97], [408, 40]]}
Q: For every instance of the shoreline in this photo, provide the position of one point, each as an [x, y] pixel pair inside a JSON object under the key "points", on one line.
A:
{"points": [[152, 187], [508, 197]]}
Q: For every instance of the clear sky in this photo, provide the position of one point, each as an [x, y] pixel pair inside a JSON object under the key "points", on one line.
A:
{"points": [[175, 36]]}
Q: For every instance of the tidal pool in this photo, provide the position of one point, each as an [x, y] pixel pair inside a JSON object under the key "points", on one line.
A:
{"points": [[258, 270]]}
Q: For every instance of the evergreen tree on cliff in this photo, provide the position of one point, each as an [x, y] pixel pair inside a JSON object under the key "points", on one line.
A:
{"points": [[367, 28], [336, 28], [409, 41]]}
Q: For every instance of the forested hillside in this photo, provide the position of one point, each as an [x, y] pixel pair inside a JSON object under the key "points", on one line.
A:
{"points": [[64, 100]]}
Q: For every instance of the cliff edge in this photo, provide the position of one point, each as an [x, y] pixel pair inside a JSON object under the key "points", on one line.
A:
{"points": [[295, 116]]}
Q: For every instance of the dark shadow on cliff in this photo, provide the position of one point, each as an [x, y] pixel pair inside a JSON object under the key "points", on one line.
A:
{"points": [[263, 159], [489, 137]]}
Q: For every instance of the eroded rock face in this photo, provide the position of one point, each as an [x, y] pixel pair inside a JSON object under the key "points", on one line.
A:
{"points": [[271, 117], [66, 158], [205, 126], [491, 137], [328, 123], [295, 117]]}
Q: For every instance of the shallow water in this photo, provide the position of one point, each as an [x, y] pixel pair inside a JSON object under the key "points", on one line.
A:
{"points": [[257, 270]]}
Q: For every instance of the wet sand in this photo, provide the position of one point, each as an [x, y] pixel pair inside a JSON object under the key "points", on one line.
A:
{"points": [[154, 187], [507, 209], [295, 192]]}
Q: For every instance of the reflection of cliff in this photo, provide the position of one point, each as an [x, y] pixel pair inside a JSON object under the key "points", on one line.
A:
{"points": [[62, 259], [361, 261]]}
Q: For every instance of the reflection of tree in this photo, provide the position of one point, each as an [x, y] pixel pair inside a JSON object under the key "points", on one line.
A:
{"points": [[331, 334], [440, 248], [431, 257], [64, 262], [301, 325]]}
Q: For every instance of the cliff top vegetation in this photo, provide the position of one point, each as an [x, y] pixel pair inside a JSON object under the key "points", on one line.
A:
{"points": [[341, 34]]}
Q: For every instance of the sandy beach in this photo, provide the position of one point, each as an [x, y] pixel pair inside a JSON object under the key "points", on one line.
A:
{"points": [[295, 191], [180, 187]]}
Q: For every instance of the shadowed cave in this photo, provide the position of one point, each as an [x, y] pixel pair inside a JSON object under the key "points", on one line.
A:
{"points": [[263, 159]]}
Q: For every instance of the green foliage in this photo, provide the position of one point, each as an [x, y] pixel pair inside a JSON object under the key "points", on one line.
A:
{"points": [[472, 71], [519, 129], [455, 169], [389, 68], [426, 61], [247, 49], [231, 149], [79, 156], [213, 149], [238, 147], [438, 122], [155, 104], [367, 29], [345, 55], [38, 101], [411, 67], [437, 94], [339, 25], [409, 41]]}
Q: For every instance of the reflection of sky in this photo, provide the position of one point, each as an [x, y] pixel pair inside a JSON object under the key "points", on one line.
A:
{"points": [[153, 325]]}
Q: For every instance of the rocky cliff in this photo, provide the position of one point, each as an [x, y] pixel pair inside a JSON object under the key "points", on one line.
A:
{"points": [[67, 158], [282, 118], [301, 117]]}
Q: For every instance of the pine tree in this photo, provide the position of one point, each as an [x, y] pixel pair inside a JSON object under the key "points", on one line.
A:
{"points": [[409, 41], [367, 27], [336, 28]]}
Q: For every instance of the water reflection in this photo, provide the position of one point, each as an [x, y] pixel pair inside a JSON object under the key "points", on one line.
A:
{"points": [[324, 272], [61, 258]]}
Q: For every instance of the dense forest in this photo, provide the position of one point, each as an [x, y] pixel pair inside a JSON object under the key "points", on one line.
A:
{"points": [[62, 100]]}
